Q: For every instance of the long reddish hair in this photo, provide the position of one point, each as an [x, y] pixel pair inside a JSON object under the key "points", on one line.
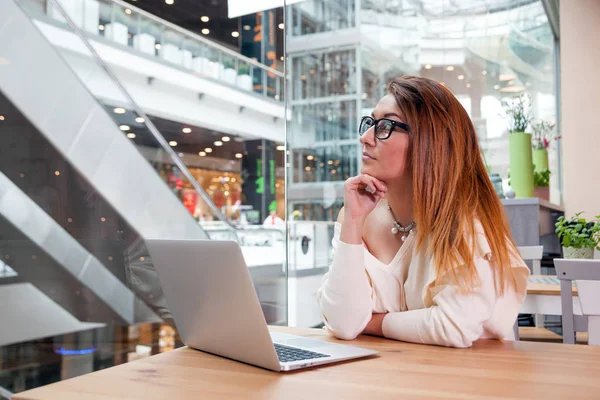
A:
{"points": [[451, 187]]}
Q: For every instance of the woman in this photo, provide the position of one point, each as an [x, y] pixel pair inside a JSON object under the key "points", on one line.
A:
{"points": [[422, 249]]}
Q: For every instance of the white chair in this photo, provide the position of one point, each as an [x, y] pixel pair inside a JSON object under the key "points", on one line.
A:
{"points": [[586, 274]]}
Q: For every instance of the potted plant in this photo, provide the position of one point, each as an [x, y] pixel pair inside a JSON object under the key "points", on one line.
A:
{"points": [[541, 184], [578, 237], [543, 135], [521, 163]]}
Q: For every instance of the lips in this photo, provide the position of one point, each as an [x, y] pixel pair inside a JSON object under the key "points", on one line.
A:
{"points": [[368, 156]]}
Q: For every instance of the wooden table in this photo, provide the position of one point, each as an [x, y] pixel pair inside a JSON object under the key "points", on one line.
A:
{"points": [[489, 370]]}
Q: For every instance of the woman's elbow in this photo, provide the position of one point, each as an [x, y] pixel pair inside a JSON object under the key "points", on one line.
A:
{"points": [[344, 331]]}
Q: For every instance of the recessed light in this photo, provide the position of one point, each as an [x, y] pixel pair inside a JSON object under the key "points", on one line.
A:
{"points": [[235, 34], [186, 130], [57, 173], [208, 150], [484, 72], [280, 148], [330, 162], [204, 18], [496, 87], [225, 138], [202, 154], [450, 68], [247, 27], [310, 158], [127, 11], [281, 26], [307, 168], [131, 135], [239, 155], [169, 2], [172, 143], [101, 27], [124, 128], [205, 31], [157, 46], [461, 77], [119, 110], [468, 85], [1, 117], [281, 58], [140, 120], [218, 143], [428, 66]]}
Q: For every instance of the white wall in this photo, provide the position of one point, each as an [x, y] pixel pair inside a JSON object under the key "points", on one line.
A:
{"points": [[580, 104]]}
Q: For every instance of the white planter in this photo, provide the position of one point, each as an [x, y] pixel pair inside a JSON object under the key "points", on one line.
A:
{"points": [[73, 8], [171, 53], [91, 16], [145, 43], [199, 64], [244, 82], [116, 32], [229, 76], [572, 252], [186, 58]]}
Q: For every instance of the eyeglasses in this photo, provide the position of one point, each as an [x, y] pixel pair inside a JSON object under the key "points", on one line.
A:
{"points": [[383, 127]]}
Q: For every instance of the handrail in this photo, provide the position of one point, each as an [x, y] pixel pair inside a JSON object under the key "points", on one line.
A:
{"points": [[151, 127], [197, 37]]}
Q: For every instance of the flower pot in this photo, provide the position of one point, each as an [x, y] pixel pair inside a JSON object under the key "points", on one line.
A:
{"points": [[521, 164], [572, 252], [540, 159], [542, 192]]}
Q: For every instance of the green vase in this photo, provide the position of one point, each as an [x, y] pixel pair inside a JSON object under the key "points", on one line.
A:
{"points": [[540, 159], [521, 164]]}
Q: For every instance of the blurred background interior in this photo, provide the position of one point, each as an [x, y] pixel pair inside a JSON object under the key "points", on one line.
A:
{"points": [[126, 120]]}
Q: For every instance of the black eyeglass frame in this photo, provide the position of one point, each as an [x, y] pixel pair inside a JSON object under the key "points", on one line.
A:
{"points": [[375, 123]]}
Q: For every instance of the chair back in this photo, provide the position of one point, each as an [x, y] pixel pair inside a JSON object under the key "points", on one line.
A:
{"points": [[586, 274]]}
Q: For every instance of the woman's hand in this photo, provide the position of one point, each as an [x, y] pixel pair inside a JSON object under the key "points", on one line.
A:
{"points": [[375, 326], [361, 195]]}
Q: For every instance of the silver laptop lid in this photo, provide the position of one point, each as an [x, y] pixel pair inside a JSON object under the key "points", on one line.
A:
{"points": [[210, 294]]}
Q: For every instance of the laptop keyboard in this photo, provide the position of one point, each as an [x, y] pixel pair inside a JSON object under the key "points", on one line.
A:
{"points": [[289, 354]]}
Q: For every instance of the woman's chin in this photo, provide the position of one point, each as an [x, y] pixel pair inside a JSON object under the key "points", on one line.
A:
{"points": [[369, 170]]}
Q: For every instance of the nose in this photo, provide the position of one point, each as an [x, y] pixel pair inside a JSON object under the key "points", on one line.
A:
{"points": [[369, 137]]}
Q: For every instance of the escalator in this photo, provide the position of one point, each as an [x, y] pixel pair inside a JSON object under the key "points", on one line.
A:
{"points": [[77, 197]]}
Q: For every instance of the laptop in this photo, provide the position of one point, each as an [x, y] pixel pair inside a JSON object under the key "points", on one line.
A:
{"points": [[210, 294]]}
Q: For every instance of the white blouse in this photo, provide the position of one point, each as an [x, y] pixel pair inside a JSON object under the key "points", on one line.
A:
{"points": [[358, 285]]}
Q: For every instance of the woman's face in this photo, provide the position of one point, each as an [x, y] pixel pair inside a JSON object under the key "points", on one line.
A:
{"points": [[386, 159]]}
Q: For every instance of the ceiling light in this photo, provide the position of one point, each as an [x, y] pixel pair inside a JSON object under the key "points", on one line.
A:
{"points": [[127, 11], [307, 168], [186, 130], [280, 148], [131, 135], [281, 58], [506, 77], [235, 34], [496, 87], [218, 143], [239, 155], [101, 27], [204, 18], [428, 66], [119, 110], [140, 120], [208, 150], [57, 173], [461, 77], [333, 172], [330, 162], [169, 2], [468, 85], [450, 68], [202, 154], [205, 31], [172, 143], [157, 46], [1, 117], [484, 72], [124, 128], [247, 27], [310, 158], [281, 26], [226, 138]]}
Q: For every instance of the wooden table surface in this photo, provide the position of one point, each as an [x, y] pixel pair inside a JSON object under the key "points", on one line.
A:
{"points": [[546, 289], [489, 370]]}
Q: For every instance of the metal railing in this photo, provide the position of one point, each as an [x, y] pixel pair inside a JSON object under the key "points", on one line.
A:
{"points": [[124, 24]]}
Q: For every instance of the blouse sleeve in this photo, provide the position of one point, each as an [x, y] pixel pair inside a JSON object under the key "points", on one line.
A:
{"points": [[456, 319], [346, 296]]}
